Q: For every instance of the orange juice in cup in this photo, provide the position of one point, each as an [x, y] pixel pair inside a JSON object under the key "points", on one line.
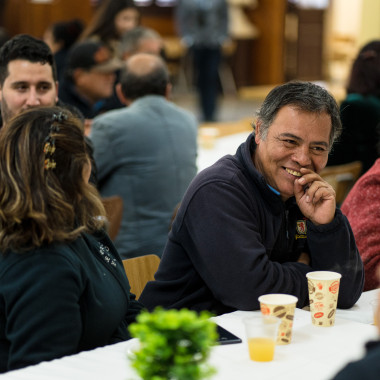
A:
{"points": [[261, 349], [261, 334]]}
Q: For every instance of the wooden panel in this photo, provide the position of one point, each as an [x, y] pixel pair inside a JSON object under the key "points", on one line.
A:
{"points": [[267, 60], [160, 19], [24, 16]]}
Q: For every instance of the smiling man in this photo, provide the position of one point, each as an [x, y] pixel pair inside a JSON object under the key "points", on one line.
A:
{"points": [[28, 76], [257, 222]]}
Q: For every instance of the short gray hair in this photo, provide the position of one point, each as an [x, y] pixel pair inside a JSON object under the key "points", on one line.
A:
{"points": [[304, 96], [131, 40]]}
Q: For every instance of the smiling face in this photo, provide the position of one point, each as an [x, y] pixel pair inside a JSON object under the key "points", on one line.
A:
{"points": [[296, 139], [28, 84]]}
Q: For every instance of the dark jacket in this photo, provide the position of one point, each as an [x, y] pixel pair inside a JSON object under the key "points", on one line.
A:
{"points": [[69, 95], [234, 239], [367, 368], [62, 299]]}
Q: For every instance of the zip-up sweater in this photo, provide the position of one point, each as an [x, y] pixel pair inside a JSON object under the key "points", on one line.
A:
{"points": [[234, 239]]}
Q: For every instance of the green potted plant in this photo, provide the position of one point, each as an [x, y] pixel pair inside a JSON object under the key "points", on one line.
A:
{"points": [[174, 344]]}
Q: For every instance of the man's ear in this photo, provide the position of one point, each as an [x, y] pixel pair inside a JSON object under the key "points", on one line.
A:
{"points": [[120, 95], [257, 131]]}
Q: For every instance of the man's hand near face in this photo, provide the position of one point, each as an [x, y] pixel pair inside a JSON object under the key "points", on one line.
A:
{"points": [[315, 197]]}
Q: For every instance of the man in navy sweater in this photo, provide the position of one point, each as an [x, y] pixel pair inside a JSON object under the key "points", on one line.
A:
{"points": [[257, 222]]}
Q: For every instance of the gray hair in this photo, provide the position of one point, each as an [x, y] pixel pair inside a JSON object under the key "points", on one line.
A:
{"points": [[304, 96], [131, 40]]}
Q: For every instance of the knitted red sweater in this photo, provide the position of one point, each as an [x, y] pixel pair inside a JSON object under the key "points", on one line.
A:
{"points": [[362, 208]]}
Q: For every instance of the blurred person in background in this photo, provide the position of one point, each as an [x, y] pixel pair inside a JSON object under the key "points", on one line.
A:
{"points": [[137, 40], [63, 288], [146, 153], [112, 19], [360, 111], [60, 36], [141, 40], [90, 76], [203, 27]]}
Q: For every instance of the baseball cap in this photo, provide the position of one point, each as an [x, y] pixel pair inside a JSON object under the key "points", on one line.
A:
{"points": [[92, 55]]}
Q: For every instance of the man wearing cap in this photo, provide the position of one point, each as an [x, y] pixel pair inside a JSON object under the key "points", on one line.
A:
{"points": [[89, 76]]}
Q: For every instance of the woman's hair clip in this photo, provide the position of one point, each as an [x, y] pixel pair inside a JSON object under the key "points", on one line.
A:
{"points": [[60, 117], [49, 146]]}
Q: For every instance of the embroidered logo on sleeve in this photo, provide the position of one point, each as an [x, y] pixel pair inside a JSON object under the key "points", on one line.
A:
{"points": [[301, 229]]}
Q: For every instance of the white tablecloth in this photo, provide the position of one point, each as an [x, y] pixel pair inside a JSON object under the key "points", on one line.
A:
{"points": [[315, 353], [223, 145]]}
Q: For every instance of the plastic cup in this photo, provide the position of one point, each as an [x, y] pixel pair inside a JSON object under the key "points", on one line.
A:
{"points": [[281, 306], [261, 334], [323, 296]]}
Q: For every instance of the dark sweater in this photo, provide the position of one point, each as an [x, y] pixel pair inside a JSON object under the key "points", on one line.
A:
{"points": [[234, 239], [62, 299]]}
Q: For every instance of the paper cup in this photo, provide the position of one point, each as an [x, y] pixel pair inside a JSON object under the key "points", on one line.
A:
{"points": [[323, 296], [261, 334], [281, 306]]}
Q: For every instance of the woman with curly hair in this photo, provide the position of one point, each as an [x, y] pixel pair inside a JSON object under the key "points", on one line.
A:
{"points": [[63, 288]]}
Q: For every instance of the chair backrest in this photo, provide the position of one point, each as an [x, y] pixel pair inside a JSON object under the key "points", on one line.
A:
{"points": [[342, 178], [140, 270], [114, 212]]}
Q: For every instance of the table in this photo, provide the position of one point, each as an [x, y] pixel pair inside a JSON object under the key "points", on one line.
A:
{"points": [[222, 146], [315, 353]]}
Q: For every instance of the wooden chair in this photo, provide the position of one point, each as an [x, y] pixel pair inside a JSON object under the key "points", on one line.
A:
{"points": [[140, 270], [114, 213], [342, 178]]}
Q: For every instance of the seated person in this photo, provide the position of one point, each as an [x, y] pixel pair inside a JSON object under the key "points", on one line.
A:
{"points": [[146, 153], [360, 111], [362, 208], [89, 77], [63, 288], [257, 222]]}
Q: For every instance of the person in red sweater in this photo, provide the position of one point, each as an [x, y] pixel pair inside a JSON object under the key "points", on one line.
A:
{"points": [[362, 208]]}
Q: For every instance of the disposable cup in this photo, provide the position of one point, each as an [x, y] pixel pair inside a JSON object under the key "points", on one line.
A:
{"points": [[261, 332], [281, 306], [323, 296]]}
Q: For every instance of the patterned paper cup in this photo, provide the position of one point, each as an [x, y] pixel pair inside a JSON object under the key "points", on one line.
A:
{"points": [[323, 296], [281, 306]]}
